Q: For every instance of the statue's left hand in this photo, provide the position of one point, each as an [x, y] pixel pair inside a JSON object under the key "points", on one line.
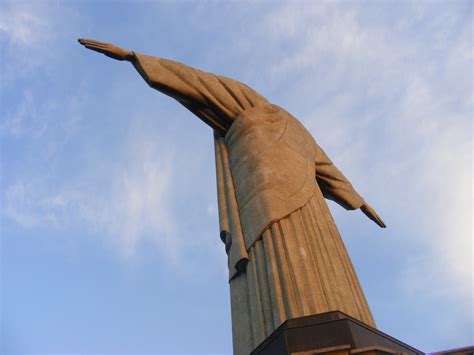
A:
{"points": [[369, 212], [108, 49]]}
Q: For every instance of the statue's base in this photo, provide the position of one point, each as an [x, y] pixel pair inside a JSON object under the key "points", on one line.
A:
{"points": [[330, 333]]}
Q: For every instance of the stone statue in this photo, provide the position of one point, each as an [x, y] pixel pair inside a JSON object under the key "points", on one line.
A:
{"points": [[286, 258]]}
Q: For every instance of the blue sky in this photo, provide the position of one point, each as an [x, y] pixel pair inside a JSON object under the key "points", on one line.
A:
{"points": [[109, 226]]}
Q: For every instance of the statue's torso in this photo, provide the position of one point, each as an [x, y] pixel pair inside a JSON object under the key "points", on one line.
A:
{"points": [[271, 157]]}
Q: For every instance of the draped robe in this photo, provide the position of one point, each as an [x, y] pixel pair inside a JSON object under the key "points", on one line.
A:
{"points": [[286, 258]]}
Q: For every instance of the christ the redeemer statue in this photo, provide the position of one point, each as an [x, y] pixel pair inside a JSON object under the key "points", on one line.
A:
{"points": [[286, 257]]}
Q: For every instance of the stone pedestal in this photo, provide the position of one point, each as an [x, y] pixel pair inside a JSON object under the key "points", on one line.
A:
{"points": [[330, 333]]}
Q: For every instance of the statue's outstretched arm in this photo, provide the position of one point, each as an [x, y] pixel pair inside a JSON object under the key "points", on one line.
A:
{"points": [[335, 186], [215, 99]]}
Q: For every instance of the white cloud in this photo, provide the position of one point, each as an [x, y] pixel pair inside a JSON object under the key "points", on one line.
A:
{"points": [[138, 204], [34, 36], [44, 126], [25, 23]]}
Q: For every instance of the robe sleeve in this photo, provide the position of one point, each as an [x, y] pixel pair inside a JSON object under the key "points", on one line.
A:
{"points": [[333, 184], [215, 99]]}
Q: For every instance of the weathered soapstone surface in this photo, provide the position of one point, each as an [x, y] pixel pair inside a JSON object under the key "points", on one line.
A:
{"points": [[286, 257]]}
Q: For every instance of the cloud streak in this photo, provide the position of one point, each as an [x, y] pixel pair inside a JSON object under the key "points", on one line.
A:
{"points": [[130, 204]]}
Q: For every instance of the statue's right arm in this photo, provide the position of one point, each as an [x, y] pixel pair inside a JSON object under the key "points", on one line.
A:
{"points": [[217, 100]]}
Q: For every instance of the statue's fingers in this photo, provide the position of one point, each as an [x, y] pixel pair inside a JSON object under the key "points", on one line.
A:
{"points": [[94, 44], [85, 41], [376, 218], [98, 48], [380, 222], [90, 40], [94, 48]]}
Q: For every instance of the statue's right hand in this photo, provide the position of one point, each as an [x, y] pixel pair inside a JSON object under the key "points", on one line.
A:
{"points": [[108, 49]]}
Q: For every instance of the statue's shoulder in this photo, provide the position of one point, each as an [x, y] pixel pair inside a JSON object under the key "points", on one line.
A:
{"points": [[269, 122]]}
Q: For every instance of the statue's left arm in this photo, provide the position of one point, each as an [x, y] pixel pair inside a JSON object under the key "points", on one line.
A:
{"points": [[335, 186]]}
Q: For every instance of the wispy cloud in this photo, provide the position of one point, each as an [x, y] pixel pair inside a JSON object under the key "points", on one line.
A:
{"points": [[24, 23], [31, 33], [129, 204], [137, 205]]}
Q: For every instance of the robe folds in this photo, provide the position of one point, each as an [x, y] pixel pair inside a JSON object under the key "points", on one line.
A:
{"points": [[286, 258]]}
